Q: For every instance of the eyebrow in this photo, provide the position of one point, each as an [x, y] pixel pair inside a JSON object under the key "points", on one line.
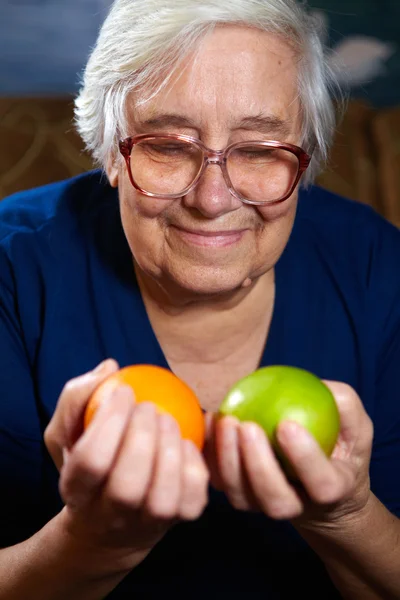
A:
{"points": [[267, 124], [167, 120]]}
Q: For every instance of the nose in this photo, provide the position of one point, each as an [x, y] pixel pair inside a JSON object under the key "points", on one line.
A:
{"points": [[211, 196]]}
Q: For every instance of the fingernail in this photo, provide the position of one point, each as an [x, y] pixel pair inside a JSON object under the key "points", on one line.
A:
{"points": [[122, 390], [112, 394], [291, 431], [147, 408], [251, 431]]}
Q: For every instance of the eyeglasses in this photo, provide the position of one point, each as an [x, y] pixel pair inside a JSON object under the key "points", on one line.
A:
{"points": [[170, 166]]}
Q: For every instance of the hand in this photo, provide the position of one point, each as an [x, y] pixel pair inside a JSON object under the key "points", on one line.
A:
{"points": [[243, 465], [129, 476]]}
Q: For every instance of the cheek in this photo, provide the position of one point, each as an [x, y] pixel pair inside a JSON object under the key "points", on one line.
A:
{"points": [[143, 207], [278, 223], [282, 212], [135, 205], [279, 217], [143, 223]]}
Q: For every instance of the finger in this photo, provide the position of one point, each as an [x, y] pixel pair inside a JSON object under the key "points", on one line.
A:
{"points": [[165, 489], [92, 457], [129, 481], [323, 481], [230, 464], [66, 425], [276, 497], [210, 451], [195, 479]]}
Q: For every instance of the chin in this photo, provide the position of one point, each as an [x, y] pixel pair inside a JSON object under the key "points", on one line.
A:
{"points": [[208, 282]]}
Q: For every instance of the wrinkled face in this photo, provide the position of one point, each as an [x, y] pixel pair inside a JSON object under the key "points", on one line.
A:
{"points": [[242, 86]]}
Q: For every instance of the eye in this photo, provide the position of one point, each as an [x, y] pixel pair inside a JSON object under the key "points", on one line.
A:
{"points": [[166, 149], [257, 153]]}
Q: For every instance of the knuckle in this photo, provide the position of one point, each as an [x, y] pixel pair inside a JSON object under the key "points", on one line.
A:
{"points": [[87, 468], [53, 447], [196, 477], [258, 474], [369, 427], [202, 500], [344, 394], [238, 501], [195, 495], [123, 499], [48, 436], [190, 514], [143, 443], [344, 389], [76, 390], [161, 510], [70, 387], [64, 488], [279, 509], [172, 460], [127, 489], [295, 512], [193, 511]]}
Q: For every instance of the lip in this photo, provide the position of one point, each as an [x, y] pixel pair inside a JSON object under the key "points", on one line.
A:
{"points": [[210, 239]]}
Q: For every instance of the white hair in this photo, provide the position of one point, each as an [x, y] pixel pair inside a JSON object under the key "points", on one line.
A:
{"points": [[143, 40]]}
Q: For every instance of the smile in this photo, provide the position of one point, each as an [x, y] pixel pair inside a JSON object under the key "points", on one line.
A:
{"points": [[210, 239]]}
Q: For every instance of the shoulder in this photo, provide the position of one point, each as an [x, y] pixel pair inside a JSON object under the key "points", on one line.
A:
{"points": [[332, 213], [30, 210], [358, 252], [52, 211], [350, 236], [42, 229]]}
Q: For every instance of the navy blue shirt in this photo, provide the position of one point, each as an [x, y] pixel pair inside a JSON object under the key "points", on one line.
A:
{"points": [[69, 299]]}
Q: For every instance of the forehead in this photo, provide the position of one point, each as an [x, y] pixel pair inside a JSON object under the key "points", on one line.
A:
{"points": [[236, 73]]}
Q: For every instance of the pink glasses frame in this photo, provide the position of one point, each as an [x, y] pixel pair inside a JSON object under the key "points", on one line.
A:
{"points": [[213, 157]]}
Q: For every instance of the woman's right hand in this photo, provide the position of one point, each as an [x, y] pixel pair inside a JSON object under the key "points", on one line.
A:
{"points": [[129, 476]]}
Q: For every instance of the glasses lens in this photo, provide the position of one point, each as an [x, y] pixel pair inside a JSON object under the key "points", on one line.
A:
{"points": [[164, 166], [262, 173]]}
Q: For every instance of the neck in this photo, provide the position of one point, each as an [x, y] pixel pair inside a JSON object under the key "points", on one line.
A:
{"points": [[208, 329]]}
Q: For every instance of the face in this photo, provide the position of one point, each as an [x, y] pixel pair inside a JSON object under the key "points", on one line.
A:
{"points": [[208, 242]]}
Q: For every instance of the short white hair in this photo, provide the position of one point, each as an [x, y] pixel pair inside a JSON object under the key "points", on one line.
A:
{"points": [[142, 43]]}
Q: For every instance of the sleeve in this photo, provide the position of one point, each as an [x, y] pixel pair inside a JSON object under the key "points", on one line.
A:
{"points": [[384, 313], [21, 440]]}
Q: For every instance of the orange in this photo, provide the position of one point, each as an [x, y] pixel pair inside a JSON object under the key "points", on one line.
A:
{"points": [[160, 386]]}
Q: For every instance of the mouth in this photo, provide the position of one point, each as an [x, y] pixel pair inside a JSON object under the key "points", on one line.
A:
{"points": [[210, 239]]}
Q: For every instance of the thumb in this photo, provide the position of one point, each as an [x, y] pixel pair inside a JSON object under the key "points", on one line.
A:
{"points": [[355, 424], [66, 426]]}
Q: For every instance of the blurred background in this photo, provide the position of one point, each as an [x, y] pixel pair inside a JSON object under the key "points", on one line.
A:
{"points": [[44, 45]]}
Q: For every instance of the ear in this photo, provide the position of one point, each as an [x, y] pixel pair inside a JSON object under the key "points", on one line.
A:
{"points": [[112, 171]]}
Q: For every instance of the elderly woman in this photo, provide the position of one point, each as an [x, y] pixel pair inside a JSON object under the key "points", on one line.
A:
{"points": [[197, 252]]}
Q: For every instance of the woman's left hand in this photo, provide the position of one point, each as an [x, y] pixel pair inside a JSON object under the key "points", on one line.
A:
{"points": [[243, 465]]}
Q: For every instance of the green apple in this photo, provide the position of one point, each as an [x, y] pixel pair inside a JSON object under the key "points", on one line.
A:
{"points": [[282, 393]]}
